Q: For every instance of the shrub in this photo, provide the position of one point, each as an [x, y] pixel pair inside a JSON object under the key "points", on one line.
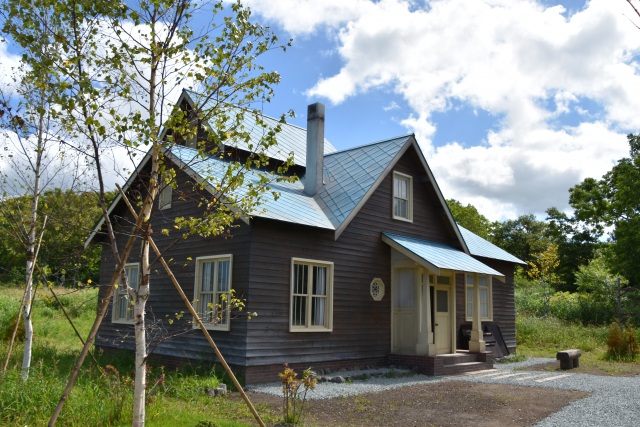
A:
{"points": [[294, 399], [622, 342]]}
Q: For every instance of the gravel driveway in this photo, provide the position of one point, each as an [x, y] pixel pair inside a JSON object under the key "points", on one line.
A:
{"points": [[614, 401]]}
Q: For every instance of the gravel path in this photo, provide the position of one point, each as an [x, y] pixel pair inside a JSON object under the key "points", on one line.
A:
{"points": [[614, 401]]}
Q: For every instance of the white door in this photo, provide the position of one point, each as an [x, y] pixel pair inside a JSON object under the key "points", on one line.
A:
{"points": [[404, 311], [442, 321]]}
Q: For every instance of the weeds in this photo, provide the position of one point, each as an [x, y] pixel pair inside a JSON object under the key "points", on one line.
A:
{"points": [[622, 342]]}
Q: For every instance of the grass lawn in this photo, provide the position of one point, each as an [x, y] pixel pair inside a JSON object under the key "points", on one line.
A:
{"points": [[97, 399]]}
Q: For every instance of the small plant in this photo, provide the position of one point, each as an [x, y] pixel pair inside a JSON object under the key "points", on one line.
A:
{"points": [[512, 358], [294, 399]]}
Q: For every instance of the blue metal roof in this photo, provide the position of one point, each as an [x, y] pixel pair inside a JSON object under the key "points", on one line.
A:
{"points": [[293, 205], [481, 247], [292, 139], [349, 175], [436, 256]]}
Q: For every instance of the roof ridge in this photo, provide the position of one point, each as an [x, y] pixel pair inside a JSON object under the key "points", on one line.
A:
{"points": [[369, 144], [266, 116]]}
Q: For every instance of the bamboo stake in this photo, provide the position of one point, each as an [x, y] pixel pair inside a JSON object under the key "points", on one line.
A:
{"points": [[193, 312]]}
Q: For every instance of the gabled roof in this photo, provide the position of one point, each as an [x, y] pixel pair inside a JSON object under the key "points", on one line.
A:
{"points": [[350, 178], [481, 247], [292, 139], [350, 175], [437, 256]]}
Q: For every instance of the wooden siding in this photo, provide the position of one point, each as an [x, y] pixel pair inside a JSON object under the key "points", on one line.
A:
{"points": [[361, 326], [164, 301]]}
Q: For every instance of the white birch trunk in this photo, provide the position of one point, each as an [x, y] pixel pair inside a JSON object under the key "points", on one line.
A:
{"points": [[30, 253], [140, 383]]}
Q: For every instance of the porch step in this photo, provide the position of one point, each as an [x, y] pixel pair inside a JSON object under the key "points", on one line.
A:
{"points": [[461, 368], [458, 358]]}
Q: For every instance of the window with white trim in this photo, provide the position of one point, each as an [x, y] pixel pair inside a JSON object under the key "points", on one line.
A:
{"points": [[212, 291], [311, 296], [164, 196], [484, 288], [402, 197], [122, 306]]}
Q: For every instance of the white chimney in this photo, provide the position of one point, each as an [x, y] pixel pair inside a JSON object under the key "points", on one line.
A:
{"points": [[315, 148]]}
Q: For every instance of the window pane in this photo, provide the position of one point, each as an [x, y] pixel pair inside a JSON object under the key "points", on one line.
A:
{"points": [[299, 310], [318, 311], [484, 303], [300, 279], [207, 277], [482, 280], [469, 279], [223, 276], [221, 313], [469, 301], [400, 208], [442, 301], [207, 309], [319, 280]]}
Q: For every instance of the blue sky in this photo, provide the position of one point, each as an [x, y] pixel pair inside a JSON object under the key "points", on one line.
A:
{"points": [[512, 101]]}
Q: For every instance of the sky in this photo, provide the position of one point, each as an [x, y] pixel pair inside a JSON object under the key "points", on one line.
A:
{"points": [[513, 102]]}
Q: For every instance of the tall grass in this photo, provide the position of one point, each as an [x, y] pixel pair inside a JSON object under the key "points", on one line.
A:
{"points": [[545, 336], [100, 397]]}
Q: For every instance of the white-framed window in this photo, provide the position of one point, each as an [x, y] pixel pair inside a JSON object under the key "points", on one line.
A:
{"points": [[212, 291], [484, 288], [311, 296], [164, 196], [402, 197], [122, 306]]}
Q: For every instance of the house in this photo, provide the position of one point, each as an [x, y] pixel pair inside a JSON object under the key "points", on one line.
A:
{"points": [[359, 263]]}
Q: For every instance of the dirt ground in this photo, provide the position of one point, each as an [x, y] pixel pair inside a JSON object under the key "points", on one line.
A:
{"points": [[449, 403]]}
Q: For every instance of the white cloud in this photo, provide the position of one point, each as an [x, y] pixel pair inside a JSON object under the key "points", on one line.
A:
{"points": [[9, 64], [528, 65]]}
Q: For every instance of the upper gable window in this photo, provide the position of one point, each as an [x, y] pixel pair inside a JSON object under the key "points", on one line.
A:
{"points": [[164, 197], [402, 197]]}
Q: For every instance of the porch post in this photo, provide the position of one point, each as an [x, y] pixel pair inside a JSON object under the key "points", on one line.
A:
{"points": [[476, 344], [422, 285]]}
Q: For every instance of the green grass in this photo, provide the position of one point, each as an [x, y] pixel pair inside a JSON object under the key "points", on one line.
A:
{"points": [[544, 337], [97, 399]]}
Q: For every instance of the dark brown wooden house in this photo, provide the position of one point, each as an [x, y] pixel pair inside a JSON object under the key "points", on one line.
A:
{"points": [[359, 263]]}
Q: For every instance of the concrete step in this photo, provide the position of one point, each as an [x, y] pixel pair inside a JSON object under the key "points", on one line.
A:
{"points": [[461, 368]]}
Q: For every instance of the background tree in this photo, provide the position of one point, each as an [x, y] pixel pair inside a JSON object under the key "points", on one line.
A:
{"points": [[613, 203], [523, 237], [577, 245], [469, 217], [31, 143]]}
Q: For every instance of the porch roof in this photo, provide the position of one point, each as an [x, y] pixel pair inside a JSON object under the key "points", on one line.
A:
{"points": [[437, 256]]}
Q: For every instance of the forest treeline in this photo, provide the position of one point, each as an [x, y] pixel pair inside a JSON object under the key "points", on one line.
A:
{"points": [[581, 266]]}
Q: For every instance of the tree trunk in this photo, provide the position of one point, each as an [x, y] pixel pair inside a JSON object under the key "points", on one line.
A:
{"points": [[30, 254]]}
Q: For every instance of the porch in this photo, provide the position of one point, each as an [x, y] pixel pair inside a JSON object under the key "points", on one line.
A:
{"points": [[444, 364]]}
